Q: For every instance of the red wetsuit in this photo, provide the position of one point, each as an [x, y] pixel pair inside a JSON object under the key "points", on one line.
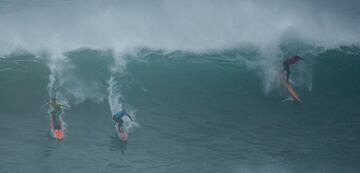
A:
{"points": [[290, 60]]}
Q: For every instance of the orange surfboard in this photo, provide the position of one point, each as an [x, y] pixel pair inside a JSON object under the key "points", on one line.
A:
{"points": [[59, 134], [56, 131], [291, 90]]}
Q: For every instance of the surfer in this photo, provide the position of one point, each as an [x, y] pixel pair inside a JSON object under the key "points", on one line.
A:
{"points": [[286, 64], [118, 117], [57, 108]]}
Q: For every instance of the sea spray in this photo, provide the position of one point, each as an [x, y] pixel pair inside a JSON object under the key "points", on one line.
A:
{"points": [[115, 99]]}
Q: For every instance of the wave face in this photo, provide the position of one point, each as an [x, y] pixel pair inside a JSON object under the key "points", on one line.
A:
{"points": [[199, 77], [190, 109]]}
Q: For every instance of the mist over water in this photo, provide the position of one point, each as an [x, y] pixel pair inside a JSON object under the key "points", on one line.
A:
{"points": [[170, 25]]}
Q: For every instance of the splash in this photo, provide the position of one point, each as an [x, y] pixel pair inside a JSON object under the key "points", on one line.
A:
{"points": [[197, 26], [115, 99]]}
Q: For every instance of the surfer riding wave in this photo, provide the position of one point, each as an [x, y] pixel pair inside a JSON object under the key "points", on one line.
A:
{"points": [[118, 118], [56, 110], [286, 65]]}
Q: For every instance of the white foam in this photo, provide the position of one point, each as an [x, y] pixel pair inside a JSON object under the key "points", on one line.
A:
{"points": [[116, 102], [197, 26], [169, 25]]}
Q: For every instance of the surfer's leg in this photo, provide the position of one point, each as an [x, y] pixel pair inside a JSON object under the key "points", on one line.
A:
{"points": [[53, 116], [56, 119], [284, 68], [287, 74], [119, 126], [287, 69]]}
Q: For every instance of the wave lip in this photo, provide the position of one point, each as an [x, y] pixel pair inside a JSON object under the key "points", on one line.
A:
{"points": [[172, 25]]}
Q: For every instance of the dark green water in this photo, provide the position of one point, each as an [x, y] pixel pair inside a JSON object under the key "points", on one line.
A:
{"points": [[196, 113]]}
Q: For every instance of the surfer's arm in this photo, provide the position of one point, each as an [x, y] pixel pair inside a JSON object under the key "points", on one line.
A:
{"points": [[65, 106], [129, 117], [45, 104]]}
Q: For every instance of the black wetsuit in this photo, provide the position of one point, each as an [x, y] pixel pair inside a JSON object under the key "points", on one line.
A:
{"points": [[287, 70]]}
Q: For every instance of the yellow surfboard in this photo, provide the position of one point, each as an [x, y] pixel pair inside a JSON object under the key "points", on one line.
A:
{"points": [[291, 90]]}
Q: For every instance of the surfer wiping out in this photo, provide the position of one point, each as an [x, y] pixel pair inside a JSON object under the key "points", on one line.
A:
{"points": [[118, 117], [56, 108], [286, 64]]}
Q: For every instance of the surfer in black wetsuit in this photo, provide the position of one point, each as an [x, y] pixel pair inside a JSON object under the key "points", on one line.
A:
{"points": [[286, 64], [118, 117]]}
